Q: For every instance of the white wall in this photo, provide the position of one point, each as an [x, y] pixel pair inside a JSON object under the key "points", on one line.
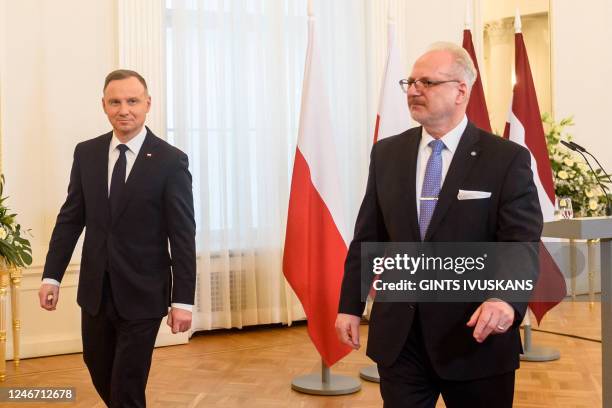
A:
{"points": [[57, 54], [55, 57], [582, 65], [497, 10]]}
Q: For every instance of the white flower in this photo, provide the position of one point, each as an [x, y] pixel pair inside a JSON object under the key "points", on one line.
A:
{"points": [[593, 204], [568, 162], [563, 175], [9, 239], [589, 193], [582, 167], [3, 233], [17, 244]]}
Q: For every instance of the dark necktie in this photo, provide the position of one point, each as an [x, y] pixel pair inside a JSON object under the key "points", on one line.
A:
{"points": [[431, 185], [118, 179]]}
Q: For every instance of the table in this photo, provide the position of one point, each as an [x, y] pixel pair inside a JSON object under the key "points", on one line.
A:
{"points": [[592, 228], [9, 277]]}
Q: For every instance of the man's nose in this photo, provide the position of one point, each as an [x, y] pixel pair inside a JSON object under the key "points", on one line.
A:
{"points": [[124, 109], [413, 90]]}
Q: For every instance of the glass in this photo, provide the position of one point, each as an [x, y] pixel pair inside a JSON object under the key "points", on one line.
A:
{"points": [[563, 208], [422, 83]]}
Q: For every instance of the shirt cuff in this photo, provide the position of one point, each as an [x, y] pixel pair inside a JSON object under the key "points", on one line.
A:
{"points": [[50, 281], [183, 306]]}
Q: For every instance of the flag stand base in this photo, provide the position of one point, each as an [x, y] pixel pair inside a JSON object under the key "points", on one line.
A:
{"points": [[537, 353], [325, 383], [370, 373]]}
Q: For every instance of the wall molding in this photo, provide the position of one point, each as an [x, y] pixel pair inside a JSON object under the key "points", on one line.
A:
{"points": [[59, 332]]}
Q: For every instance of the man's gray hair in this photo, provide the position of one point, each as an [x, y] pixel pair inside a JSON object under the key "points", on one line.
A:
{"points": [[463, 61]]}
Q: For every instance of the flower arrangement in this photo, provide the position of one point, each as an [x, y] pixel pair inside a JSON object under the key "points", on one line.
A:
{"points": [[572, 176], [15, 250]]}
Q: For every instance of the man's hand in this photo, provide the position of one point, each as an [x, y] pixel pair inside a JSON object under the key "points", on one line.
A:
{"points": [[179, 320], [493, 316], [48, 296], [347, 329]]}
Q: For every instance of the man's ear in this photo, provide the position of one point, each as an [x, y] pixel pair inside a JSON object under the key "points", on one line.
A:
{"points": [[463, 95]]}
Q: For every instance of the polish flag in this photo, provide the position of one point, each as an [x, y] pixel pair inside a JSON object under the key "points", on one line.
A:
{"points": [[315, 250], [524, 127], [393, 115], [476, 111]]}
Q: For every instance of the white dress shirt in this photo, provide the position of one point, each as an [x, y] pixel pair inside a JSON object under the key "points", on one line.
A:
{"points": [[131, 153], [451, 140]]}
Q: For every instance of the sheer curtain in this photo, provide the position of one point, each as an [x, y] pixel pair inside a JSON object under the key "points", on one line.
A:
{"points": [[234, 76]]}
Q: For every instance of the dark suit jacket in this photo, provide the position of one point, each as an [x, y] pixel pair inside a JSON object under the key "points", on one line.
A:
{"points": [[155, 210], [388, 213]]}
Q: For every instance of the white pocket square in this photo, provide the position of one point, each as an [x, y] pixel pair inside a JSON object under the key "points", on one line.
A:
{"points": [[472, 195]]}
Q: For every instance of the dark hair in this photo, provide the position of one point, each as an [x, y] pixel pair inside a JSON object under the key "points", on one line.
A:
{"points": [[124, 74]]}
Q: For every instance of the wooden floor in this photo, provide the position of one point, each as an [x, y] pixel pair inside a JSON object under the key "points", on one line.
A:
{"points": [[253, 368]]}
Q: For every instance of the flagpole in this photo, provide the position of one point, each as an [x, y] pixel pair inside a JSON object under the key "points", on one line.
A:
{"points": [[476, 110], [468, 15], [535, 353], [323, 383], [531, 352], [517, 22], [370, 373]]}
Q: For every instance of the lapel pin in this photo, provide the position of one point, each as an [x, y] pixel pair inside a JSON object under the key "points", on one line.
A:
{"points": [[473, 153], [148, 154]]}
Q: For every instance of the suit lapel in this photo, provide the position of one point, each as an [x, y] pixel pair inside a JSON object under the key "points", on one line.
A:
{"points": [[407, 176], [138, 174], [411, 172], [100, 164], [464, 158]]}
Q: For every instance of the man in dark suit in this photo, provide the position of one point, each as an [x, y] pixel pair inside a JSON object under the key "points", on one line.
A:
{"points": [[468, 352], [132, 193]]}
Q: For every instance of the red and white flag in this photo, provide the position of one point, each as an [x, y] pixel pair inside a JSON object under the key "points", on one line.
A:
{"points": [[524, 127], [315, 250], [393, 116], [476, 111]]}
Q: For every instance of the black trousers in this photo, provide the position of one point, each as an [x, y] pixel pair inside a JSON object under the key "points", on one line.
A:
{"points": [[411, 382], [118, 353]]}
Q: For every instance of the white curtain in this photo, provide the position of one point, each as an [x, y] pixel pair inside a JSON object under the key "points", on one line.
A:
{"points": [[234, 76]]}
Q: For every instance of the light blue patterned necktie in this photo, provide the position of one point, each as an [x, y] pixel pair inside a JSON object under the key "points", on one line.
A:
{"points": [[431, 185]]}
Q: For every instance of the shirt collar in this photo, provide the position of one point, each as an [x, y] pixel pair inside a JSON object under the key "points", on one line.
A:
{"points": [[134, 144], [451, 139]]}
